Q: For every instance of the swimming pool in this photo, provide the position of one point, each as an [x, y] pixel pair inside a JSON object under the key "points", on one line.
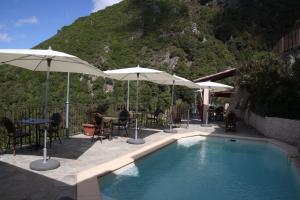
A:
{"points": [[209, 169]]}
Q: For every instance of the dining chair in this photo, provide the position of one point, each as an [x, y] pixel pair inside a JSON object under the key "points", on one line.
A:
{"points": [[99, 127], [53, 129], [14, 133], [123, 121]]}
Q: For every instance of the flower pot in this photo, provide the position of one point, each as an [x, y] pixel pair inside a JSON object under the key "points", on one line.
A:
{"points": [[88, 129]]}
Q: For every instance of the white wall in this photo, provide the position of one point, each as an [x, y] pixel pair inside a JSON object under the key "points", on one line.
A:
{"points": [[286, 130]]}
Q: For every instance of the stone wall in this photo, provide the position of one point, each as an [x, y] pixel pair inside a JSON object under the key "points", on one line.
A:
{"points": [[286, 130]]}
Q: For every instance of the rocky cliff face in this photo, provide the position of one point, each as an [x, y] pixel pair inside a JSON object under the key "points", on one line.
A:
{"points": [[224, 3]]}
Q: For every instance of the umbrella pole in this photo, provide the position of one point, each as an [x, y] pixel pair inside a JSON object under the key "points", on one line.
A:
{"points": [[136, 140], [171, 130], [67, 107], [172, 103], [137, 106], [45, 164], [207, 112], [45, 114], [128, 93], [195, 103]]}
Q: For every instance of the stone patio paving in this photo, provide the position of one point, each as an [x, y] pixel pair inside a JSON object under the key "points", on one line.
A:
{"points": [[18, 182]]}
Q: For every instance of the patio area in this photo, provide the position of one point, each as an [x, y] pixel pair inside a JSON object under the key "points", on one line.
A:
{"points": [[75, 155]]}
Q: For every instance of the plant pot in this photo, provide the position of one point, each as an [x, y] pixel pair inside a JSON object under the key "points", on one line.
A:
{"points": [[88, 129]]}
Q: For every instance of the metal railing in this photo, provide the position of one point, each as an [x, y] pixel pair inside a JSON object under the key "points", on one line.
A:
{"points": [[79, 114], [288, 42], [16, 113]]}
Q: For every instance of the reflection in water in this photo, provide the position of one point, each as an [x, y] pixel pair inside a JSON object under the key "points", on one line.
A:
{"points": [[129, 170], [190, 141]]}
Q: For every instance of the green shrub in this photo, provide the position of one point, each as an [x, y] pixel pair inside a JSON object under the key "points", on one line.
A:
{"points": [[273, 92]]}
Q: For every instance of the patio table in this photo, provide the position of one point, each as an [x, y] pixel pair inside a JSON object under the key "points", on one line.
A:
{"points": [[37, 122], [107, 118]]}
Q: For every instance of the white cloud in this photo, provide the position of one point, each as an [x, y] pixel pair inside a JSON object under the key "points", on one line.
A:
{"points": [[4, 37], [29, 20], [101, 4]]}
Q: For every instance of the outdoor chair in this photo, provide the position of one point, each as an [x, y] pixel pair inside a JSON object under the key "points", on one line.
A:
{"points": [[99, 129], [153, 118], [123, 121], [102, 128], [211, 113], [14, 133], [230, 121], [219, 111], [54, 126], [176, 117]]}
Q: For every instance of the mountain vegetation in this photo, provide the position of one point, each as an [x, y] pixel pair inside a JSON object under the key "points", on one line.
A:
{"points": [[187, 37], [274, 89]]}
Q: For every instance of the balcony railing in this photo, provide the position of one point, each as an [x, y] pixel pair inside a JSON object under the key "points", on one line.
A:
{"points": [[289, 41], [79, 114]]}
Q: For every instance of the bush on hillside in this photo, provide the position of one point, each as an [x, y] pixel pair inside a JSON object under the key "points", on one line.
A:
{"points": [[273, 91]]}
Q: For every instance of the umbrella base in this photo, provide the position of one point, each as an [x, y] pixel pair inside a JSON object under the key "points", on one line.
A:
{"points": [[206, 125], [168, 130], [135, 141], [39, 165], [67, 133]]}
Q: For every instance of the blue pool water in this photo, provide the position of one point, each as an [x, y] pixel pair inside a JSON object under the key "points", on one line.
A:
{"points": [[213, 169]]}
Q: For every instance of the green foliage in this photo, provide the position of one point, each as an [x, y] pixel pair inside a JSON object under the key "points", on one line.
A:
{"points": [[253, 19], [274, 92]]}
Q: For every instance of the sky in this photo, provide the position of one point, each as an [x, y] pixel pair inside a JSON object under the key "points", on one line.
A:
{"points": [[26, 23]]}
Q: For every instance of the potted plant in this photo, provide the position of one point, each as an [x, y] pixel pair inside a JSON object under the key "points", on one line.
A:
{"points": [[89, 127]]}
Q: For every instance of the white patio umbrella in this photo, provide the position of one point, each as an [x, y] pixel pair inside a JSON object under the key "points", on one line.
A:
{"points": [[217, 87], [213, 86], [176, 80], [138, 73], [47, 60]]}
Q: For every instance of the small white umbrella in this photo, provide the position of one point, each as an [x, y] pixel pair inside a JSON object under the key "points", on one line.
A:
{"points": [[138, 73], [216, 87], [176, 80], [47, 60]]}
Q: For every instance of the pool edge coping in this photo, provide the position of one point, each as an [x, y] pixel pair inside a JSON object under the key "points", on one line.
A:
{"points": [[87, 180]]}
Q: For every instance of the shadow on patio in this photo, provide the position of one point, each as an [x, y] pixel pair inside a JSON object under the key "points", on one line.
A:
{"points": [[20, 184], [69, 149]]}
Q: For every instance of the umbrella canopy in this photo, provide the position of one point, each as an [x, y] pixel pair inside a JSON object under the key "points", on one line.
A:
{"points": [[177, 80], [37, 60], [145, 74], [216, 87]]}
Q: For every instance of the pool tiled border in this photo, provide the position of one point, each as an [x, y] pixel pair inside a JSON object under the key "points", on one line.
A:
{"points": [[87, 181]]}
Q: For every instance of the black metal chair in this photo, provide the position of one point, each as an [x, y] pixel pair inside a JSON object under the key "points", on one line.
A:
{"points": [[153, 118], [123, 121], [176, 116], [219, 111], [53, 130], [13, 134], [99, 131], [230, 121]]}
